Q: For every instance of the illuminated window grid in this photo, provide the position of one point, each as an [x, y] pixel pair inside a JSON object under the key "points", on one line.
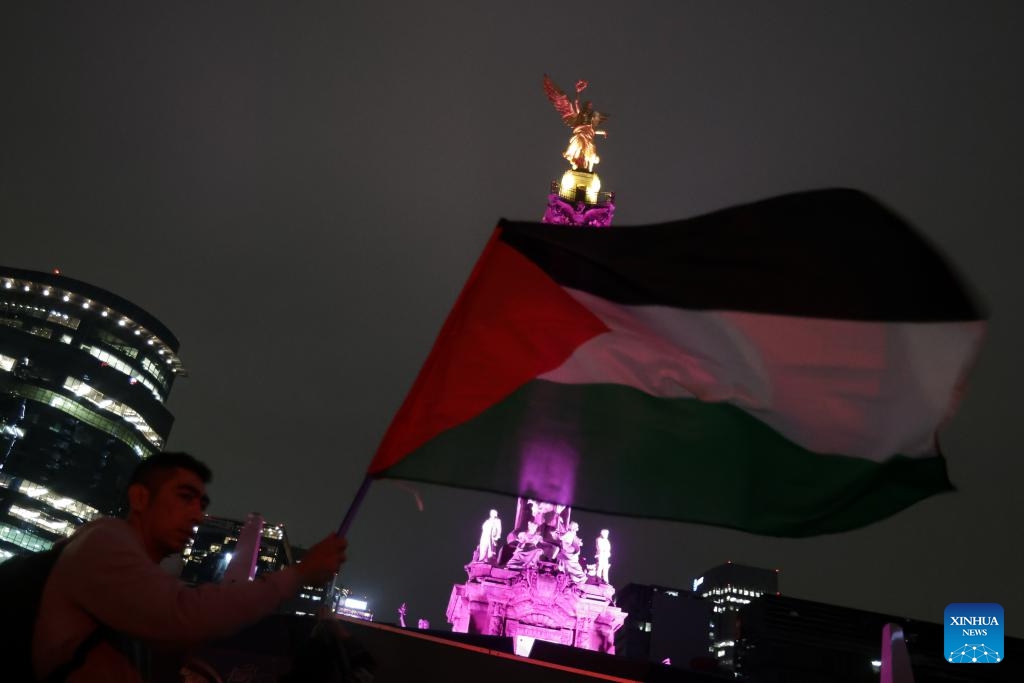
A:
{"points": [[126, 412], [119, 430], [41, 520], [63, 319], [153, 369], [118, 344], [40, 493], [22, 309], [24, 539], [110, 359], [73, 322], [121, 366]]}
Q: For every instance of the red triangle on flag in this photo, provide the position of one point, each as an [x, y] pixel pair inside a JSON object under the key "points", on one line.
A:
{"points": [[510, 324]]}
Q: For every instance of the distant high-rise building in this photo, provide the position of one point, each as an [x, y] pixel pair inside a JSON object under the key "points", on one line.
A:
{"points": [[665, 625], [212, 549], [729, 587], [84, 376], [788, 640], [355, 607], [215, 546]]}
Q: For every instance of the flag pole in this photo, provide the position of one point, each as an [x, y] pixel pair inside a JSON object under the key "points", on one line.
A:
{"points": [[354, 506]]}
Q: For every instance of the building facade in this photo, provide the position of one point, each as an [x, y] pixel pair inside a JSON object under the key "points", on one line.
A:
{"points": [[788, 640], [730, 587], [666, 626], [213, 547], [84, 378], [215, 554]]}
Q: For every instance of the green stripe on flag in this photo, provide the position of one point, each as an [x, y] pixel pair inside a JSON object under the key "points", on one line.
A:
{"points": [[613, 448]]}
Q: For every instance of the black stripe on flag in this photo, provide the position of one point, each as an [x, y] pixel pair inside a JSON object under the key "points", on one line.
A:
{"points": [[833, 253]]}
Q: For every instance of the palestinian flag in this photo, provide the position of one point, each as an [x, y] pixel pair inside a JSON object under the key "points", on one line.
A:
{"points": [[780, 367]]}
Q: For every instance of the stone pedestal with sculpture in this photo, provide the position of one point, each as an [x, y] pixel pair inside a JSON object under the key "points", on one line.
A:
{"points": [[532, 591]]}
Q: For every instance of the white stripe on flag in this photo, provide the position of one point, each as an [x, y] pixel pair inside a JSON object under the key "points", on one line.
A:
{"points": [[867, 389]]}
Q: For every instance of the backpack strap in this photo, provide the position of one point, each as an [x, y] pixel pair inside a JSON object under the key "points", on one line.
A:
{"points": [[78, 658]]}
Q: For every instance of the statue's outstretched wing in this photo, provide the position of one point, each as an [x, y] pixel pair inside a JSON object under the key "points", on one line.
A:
{"points": [[561, 101]]}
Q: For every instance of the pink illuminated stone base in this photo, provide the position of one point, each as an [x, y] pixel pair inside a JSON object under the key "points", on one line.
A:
{"points": [[538, 602], [562, 212]]}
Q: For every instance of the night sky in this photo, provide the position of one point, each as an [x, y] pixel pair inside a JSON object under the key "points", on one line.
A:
{"points": [[299, 190]]}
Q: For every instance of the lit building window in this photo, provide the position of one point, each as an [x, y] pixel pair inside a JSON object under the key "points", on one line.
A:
{"points": [[155, 370], [63, 319], [6, 363], [24, 539], [43, 521], [14, 430], [119, 430], [117, 344], [42, 494], [122, 367], [83, 390]]}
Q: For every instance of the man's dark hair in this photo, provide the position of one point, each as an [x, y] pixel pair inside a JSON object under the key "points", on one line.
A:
{"points": [[156, 469]]}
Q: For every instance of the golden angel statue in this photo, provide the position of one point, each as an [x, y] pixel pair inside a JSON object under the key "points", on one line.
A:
{"points": [[584, 121]]}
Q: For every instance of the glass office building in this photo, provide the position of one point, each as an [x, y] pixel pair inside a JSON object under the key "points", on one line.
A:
{"points": [[665, 625], [730, 587], [212, 548], [84, 377]]}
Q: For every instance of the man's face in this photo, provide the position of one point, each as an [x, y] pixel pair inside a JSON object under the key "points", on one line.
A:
{"points": [[168, 515]]}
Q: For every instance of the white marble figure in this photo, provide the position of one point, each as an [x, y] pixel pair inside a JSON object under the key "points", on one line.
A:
{"points": [[570, 554], [528, 548], [489, 535], [604, 556]]}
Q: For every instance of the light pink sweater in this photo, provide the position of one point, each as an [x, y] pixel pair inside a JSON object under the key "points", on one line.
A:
{"points": [[104, 576]]}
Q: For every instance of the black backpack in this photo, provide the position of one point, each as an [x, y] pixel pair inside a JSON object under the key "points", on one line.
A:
{"points": [[22, 580]]}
